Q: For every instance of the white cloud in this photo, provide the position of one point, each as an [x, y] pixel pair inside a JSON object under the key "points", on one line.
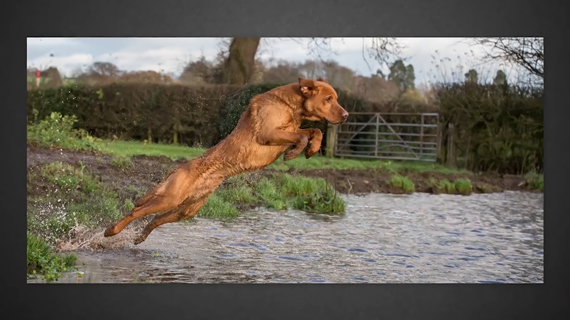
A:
{"points": [[65, 64], [171, 54], [48, 42]]}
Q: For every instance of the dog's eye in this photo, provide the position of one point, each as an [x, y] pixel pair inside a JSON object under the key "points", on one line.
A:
{"points": [[329, 99]]}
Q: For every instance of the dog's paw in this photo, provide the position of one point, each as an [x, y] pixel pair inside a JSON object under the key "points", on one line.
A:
{"points": [[291, 154], [110, 232], [312, 150], [309, 154], [139, 239]]}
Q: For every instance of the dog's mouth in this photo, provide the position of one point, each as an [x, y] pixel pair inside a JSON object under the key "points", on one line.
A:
{"points": [[332, 122]]}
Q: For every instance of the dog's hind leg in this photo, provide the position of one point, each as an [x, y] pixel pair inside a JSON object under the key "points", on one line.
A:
{"points": [[154, 205], [165, 196], [186, 210]]}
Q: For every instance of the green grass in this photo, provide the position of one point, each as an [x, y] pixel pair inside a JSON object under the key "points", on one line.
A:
{"points": [[269, 194], [458, 186], [217, 207], [43, 261], [463, 186], [68, 177], [122, 162], [402, 183], [278, 191], [446, 186], [321, 162], [134, 148], [535, 181]]}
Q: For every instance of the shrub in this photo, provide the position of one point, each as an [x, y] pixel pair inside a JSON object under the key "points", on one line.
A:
{"points": [[41, 259], [57, 130]]}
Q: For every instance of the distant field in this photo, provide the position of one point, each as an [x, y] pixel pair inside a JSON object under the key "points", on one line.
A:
{"points": [[133, 148]]}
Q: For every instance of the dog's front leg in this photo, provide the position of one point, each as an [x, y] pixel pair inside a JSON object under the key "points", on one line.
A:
{"points": [[279, 137], [315, 139]]}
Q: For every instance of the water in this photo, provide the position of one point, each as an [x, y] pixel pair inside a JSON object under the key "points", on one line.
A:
{"points": [[418, 238]]}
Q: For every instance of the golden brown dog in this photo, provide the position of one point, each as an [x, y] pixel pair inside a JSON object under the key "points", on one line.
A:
{"points": [[268, 128]]}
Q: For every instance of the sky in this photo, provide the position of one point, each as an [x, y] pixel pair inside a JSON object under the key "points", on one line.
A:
{"points": [[169, 55]]}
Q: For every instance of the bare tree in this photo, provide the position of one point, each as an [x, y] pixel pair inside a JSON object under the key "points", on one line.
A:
{"points": [[527, 53], [104, 69], [383, 50], [239, 67], [239, 64]]}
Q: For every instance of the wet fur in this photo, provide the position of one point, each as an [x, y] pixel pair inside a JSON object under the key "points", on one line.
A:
{"points": [[267, 129]]}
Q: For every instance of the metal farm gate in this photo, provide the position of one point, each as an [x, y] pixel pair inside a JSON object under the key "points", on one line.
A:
{"points": [[397, 136]]}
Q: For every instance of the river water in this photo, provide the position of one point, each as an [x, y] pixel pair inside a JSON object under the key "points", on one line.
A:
{"points": [[382, 238]]}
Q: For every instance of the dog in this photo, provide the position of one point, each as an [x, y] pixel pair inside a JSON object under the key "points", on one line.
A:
{"points": [[267, 129]]}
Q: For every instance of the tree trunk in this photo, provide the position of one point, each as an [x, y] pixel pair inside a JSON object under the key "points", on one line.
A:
{"points": [[240, 64]]}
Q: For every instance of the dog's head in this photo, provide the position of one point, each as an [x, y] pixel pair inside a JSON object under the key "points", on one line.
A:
{"points": [[321, 101]]}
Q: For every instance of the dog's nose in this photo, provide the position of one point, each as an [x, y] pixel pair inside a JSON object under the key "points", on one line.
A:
{"points": [[345, 115]]}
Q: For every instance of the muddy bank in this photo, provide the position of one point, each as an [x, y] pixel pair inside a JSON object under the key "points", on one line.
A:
{"points": [[367, 181], [147, 171]]}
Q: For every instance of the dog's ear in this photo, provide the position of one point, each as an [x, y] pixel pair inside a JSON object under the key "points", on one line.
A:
{"points": [[321, 80], [308, 87]]}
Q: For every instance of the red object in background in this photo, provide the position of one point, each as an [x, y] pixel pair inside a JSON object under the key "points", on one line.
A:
{"points": [[37, 73]]}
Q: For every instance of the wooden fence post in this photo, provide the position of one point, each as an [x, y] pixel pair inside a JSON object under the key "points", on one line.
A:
{"points": [[450, 145], [439, 146], [175, 137], [331, 140]]}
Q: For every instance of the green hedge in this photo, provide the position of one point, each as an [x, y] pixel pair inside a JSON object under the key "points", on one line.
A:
{"points": [[129, 111], [192, 115], [497, 128]]}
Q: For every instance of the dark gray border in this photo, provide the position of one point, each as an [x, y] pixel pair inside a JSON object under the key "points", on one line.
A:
{"points": [[286, 18]]}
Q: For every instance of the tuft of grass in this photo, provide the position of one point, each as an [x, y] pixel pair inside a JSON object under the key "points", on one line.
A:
{"points": [[58, 130], [402, 183], [43, 261], [278, 191], [309, 194], [534, 181], [463, 186], [270, 197], [446, 186], [217, 207], [68, 177], [128, 205], [239, 194], [123, 163]]}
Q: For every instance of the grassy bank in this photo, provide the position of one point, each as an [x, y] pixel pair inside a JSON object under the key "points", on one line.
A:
{"points": [[279, 191], [461, 180]]}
